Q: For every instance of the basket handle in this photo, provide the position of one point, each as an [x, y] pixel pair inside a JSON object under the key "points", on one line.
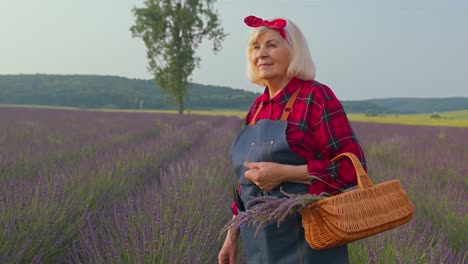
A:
{"points": [[363, 180]]}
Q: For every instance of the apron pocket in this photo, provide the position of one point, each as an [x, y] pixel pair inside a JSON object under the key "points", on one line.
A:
{"points": [[260, 152]]}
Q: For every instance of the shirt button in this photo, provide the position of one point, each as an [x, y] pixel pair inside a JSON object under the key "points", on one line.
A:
{"points": [[333, 176]]}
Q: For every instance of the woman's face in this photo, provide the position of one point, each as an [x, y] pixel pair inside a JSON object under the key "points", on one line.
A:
{"points": [[270, 56]]}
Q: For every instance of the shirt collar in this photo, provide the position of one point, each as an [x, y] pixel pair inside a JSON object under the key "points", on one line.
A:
{"points": [[283, 96]]}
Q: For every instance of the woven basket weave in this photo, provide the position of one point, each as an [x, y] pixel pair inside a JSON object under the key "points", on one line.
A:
{"points": [[356, 214]]}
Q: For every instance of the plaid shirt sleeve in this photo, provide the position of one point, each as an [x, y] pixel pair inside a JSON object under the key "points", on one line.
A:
{"points": [[332, 135]]}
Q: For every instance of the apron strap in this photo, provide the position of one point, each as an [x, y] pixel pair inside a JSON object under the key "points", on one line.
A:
{"points": [[254, 118], [289, 106], [287, 109]]}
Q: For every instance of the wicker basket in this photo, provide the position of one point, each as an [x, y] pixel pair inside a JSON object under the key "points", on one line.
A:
{"points": [[356, 214]]}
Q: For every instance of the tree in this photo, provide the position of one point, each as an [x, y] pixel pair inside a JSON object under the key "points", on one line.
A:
{"points": [[172, 30]]}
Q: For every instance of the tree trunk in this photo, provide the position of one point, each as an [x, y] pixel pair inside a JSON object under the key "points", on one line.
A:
{"points": [[180, 103]]}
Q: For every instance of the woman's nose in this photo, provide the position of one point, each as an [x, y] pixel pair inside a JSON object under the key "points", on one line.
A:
{"points": [[262, 52]]}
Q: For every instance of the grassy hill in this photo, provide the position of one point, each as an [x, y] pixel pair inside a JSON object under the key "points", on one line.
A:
{"points": [[110, 92], [420, 105]]}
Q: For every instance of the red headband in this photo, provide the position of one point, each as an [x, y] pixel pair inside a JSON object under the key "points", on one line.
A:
{"points": [[277, 24]]}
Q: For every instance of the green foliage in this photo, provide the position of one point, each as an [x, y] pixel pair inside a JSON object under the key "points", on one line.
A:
{"points": [[172, 31]]}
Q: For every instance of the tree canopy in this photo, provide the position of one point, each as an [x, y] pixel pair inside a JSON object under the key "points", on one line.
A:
{"points": [[172, 30]]}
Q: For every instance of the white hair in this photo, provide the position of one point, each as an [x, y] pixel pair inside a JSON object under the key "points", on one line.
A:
{"points": [[301, 64]]}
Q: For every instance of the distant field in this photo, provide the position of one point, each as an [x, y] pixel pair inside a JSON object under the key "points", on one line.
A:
{"points": [[462, 114], [240, 114], [451, 119], [40, 106], [226, 112]]}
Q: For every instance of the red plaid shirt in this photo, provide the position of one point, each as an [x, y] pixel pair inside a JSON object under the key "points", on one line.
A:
{"points": [[317, 130]]}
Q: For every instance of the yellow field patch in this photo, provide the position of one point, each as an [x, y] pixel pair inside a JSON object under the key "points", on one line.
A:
{"points": [[420, 119], [462, 114]]}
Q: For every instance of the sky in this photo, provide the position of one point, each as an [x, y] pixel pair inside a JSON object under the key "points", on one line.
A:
{"points": [[362, 49]]}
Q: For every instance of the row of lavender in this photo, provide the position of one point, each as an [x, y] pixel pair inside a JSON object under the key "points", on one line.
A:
{"points": [[174, 220], [91, 187], [66, 175], [432, 165]]}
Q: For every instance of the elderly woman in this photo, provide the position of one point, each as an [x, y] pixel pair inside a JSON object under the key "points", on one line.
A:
{"points": [[292, 132]]}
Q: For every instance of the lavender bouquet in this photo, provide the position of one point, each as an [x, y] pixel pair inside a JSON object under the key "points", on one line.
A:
{"points": [[271, 208]]}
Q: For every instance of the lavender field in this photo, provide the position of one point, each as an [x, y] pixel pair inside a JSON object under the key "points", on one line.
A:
{"points": [[102, 187]]}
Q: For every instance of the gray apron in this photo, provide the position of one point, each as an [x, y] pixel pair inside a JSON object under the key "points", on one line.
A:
{"points": [[265, 141]]}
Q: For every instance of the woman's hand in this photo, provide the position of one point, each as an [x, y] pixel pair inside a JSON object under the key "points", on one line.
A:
{"points": [[227, 254], [268, 175], [264, 174]]}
